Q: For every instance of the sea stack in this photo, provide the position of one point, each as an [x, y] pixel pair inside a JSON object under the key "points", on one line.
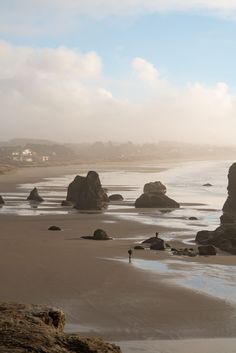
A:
{"points": [[2, 202], [230, 204], [154, 197], [34, 196], [86, 193], [224, 237]]}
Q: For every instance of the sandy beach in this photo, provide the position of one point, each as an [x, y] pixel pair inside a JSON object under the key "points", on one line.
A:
{"points": [[101, 292]]}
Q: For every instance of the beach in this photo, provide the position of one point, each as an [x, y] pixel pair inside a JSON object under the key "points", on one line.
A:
{"points": [[101, 292]]}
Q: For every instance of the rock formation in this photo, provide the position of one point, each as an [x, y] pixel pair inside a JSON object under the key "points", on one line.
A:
{"points": [[37, 328], [86, 193], [2, 202], [34, 196], [116, 197], [230, 204], [224, 237], [154, 196]]}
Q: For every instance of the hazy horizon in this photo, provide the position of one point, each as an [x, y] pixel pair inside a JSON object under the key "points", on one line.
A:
{"points": [[140, 71]]}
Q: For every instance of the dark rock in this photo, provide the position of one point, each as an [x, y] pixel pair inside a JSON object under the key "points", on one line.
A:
{"points": [[86, 193], [116, 197], [54, 228], [155, 201], [224, 237], [205, 237], [168, 246], [155, 243], [207, 250], [158, 245], [193, 218], [230, 203], [184, 252], [100, 234], [66, 203], [34, 196], [227, 218], [2, 202], [89, 237], [154, 187], [139, 247], [154, 197], [38, 328], [207, 184]]}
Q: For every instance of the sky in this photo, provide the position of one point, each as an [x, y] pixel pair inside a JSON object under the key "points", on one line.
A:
{"points": [[127, 70]]}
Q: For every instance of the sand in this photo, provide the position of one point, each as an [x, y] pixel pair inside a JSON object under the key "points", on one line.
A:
{"points": [[101, 296]]}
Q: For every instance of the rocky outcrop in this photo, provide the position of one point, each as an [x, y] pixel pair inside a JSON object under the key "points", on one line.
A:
{"points": [[224, 238], [155, 243], [116, 197], [154, 197], [2, 202], [86, 193], [34, 196], [37, 328]]}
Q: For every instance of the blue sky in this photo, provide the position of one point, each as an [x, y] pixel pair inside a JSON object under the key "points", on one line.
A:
{"points": [[165, 57], [185, 46]]}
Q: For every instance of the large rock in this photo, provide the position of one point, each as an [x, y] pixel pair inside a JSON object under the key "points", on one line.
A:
{"points": [[86, 193], [38, 328], [154, 197], [155, 201], [230, 204], [34, 196], [154, 187], [224, 237], [2, 202]]}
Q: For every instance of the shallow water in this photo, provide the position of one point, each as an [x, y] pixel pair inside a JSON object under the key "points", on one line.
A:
{"points": [[183, 180], [215, 280]]}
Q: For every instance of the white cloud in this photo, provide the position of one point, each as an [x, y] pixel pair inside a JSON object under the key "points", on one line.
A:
{"points": [[30, 18], [146, 71], [62, 94]]}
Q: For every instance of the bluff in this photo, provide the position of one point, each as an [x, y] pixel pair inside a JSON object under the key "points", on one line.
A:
{"points": [[38, 328]]}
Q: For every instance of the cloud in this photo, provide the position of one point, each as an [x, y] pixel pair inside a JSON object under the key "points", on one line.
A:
{"points": [[41, 17], [145, 70], [62, 94]]}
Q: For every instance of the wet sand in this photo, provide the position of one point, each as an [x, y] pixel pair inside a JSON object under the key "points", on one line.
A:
{"points": [[112, 299]]}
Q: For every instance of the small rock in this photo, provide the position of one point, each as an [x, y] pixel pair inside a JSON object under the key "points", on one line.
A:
{"points": [[207, 184], [54, 228], [34, 196], [116, 197], [100, 234], [193, 218], [139, 247]]}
